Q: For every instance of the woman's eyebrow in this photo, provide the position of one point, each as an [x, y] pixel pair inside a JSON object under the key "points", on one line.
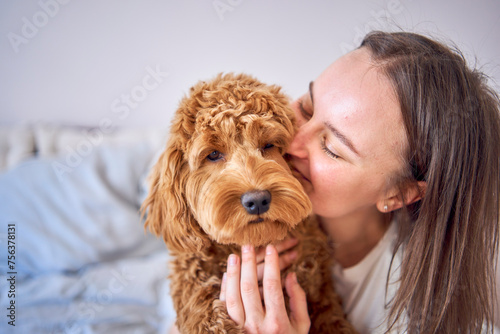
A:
{"points": [[342, 137], [311, 92]]}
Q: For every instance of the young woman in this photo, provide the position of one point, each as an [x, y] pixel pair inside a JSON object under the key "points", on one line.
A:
{"points": [[398, 150]]}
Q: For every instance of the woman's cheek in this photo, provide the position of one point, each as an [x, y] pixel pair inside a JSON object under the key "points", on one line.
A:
{"points": [[324, 180]]}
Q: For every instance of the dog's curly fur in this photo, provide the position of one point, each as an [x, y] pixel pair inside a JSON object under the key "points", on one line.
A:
{"points": [[228, 137]]}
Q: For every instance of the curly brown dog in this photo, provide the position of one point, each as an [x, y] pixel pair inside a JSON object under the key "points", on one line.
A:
{"points": [[222, 182]]}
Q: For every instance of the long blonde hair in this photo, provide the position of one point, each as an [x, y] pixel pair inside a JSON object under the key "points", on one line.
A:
{"points": [[450, 237]]}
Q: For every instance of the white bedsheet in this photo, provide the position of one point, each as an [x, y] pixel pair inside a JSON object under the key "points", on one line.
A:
{"points": [[83, 262]]}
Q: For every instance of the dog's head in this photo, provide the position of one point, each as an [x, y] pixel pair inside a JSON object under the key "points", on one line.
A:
{"points": [[222, 176]]}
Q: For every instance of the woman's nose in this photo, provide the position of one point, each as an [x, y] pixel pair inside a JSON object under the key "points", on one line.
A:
{"points": [[298, 146]]}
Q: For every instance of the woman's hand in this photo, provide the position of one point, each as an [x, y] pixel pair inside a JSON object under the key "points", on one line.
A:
{"points": [[286, 253], [240, 291]]}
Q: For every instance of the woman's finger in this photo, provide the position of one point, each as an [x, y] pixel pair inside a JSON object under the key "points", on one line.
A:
{"points": [[286, 244], [232, 296], [299, 316], [223, 284], [249, 287], [285, 260], [280, 247], [273, 292]]}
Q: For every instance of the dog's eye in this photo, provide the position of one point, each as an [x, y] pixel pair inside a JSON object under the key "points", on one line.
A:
{"points": [[268, 146], [215, 156]]}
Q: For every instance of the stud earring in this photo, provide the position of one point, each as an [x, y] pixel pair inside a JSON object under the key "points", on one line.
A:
{"points": [[385, 207]]}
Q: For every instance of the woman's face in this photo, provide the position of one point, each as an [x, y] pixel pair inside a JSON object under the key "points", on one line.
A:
{"points": [[351, 137]]}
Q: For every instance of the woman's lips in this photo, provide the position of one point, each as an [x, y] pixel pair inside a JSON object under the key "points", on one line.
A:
{"points": [[295, 171], [298, 175]]}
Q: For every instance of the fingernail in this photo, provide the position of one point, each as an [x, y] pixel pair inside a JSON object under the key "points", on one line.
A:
{"points": [[269, 249], [246, 248], [232, 260]]}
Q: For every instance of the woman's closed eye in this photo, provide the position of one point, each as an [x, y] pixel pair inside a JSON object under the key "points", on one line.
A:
{"points": [[325, 149]]}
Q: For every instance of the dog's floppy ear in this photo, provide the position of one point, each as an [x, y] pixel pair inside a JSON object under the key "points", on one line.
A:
{"points": [[167, 212]]}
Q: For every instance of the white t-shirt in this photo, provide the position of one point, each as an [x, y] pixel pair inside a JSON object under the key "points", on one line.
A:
{"points": [[364, 289]]}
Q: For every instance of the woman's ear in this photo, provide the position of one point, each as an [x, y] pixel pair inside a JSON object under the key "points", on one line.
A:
{"points": [[398, 198]]}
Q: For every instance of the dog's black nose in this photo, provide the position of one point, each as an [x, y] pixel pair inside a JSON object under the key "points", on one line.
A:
{"points": [[256, 202]]}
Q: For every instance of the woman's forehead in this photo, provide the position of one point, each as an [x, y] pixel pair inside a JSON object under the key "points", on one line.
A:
{"points": [[356, 76], [357, 97]]}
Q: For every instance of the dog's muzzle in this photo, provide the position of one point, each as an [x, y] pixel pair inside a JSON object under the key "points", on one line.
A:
{"points": [[256, 202]]}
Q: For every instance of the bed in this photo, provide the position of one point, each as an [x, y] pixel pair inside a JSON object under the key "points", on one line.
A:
{"points": [[74, 255], [81, 261]]}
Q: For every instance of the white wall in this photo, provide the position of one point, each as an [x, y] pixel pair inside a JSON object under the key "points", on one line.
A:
{"points": [[76, 61]]}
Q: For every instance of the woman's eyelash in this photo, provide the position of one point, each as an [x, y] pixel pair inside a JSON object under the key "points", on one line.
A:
{"points": [[326, 150]]}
